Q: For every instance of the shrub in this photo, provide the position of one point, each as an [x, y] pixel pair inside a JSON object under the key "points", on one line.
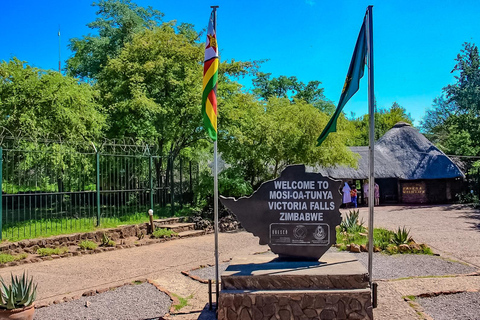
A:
{"points": [[88, 245], [5, 257], [50, 251], [163, 233], [351, 224], [19, 294], [401, 236]]}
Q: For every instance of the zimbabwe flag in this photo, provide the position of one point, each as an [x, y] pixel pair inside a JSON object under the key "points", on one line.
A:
{"points": [[210, 79]]}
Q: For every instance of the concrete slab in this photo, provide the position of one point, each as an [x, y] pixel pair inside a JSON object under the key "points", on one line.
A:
{"points": [[335, 270]]}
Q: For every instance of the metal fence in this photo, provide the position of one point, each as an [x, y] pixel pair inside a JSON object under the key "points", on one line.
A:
{"points": [[54, 188]]}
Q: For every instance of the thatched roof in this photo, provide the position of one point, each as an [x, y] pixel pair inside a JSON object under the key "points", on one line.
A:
{"points": [[402, 153]]}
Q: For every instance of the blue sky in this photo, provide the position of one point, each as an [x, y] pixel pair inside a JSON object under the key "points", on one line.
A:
{"points": [[415, 42]]}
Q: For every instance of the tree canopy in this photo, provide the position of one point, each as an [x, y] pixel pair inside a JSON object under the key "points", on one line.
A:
{"points": [[385, 119], [116, 24], [39, 103], [453, 122]]}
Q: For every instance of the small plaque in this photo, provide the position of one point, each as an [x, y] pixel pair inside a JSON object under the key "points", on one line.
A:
{"points": [[295, 215]]}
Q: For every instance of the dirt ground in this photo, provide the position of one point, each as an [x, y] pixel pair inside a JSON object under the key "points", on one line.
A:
{"points": [[451, 230]]}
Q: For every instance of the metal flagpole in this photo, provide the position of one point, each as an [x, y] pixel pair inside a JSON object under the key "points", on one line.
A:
{"points": [[371, 149], [215, 188]]}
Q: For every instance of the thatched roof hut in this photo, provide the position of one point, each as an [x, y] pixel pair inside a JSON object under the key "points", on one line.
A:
{"points": [[402, 153], [404, 157]]}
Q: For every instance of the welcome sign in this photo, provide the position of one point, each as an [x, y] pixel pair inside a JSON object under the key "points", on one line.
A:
{"points": [[295, 214]]}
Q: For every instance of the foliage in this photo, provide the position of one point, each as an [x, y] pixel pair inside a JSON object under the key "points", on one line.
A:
{"points": [[289, 87], [19, 293], [401, 236], [152, 90], [106, 241], [5, 257], [231, 183], [453, 123], [382, 238], [261, 139], [351, 223], [182, 302], [163, 233], [117, 23], [465, 92], [385, 119], [88, 245], [44, 252], [39, 103]]}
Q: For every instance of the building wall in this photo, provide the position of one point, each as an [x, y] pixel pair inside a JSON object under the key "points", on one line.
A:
{"points": [[413, 192]]}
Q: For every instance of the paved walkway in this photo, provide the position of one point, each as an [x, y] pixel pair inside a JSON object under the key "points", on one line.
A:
{"points": [[449, 229]]}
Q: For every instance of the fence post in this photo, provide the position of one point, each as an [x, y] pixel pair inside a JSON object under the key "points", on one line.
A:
{"points": [[172, 187], [97, 155], [181, 183], [151, 180], [1, 192]]}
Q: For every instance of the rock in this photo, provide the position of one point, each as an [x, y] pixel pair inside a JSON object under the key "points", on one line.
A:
{"points": [[87, 304], [89, 293], [363, 248], [403, 248], [327, 314], [415, 247], [354, 248]]}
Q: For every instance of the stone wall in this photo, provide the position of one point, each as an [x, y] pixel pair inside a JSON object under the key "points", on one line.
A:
{"points": [[31, 246], [296, 305]]}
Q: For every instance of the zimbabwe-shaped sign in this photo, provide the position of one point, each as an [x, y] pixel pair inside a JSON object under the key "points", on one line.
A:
{"points": [[295, 214]]}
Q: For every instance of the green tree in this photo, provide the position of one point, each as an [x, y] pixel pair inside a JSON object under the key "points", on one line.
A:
{"points": [[152, 90], [261, 139], [466, 91], [385, 119], [38, 103], [291, 88], [116, 24], [453, 123]]}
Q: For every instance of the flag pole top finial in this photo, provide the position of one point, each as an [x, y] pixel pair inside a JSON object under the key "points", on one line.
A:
{"points": [[214, 7]]}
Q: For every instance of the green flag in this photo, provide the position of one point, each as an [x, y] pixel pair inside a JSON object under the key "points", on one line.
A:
{"points": [[355, 73]]}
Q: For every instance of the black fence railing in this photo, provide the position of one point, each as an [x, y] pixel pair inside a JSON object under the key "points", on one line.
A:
{"points": [[53, 188]]}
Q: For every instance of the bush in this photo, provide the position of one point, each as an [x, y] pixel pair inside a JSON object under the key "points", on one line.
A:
{"points": [[5, 257], [163, 233], [401, 236], [107, 242], [351, 224], [44, 252], [19, 294], [88, 245]]}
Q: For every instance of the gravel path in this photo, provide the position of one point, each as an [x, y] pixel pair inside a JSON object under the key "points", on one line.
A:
{"points": [[411, 265], [208, 273], [143, 301], [460, 306], [385, 266]]}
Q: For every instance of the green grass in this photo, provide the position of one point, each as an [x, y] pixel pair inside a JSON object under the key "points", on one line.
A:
{"points": [[43, 228], [5, 257], [51, 251], [88, 245], [163, 233], [182, 302]]}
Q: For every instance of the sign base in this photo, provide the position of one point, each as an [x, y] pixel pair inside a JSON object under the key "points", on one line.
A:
{"points": [[259, 287]]}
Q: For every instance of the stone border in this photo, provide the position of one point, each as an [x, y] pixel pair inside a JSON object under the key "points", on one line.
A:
{"points": [[30, 246], [84, 252], [196, 278], [418, 307]]}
